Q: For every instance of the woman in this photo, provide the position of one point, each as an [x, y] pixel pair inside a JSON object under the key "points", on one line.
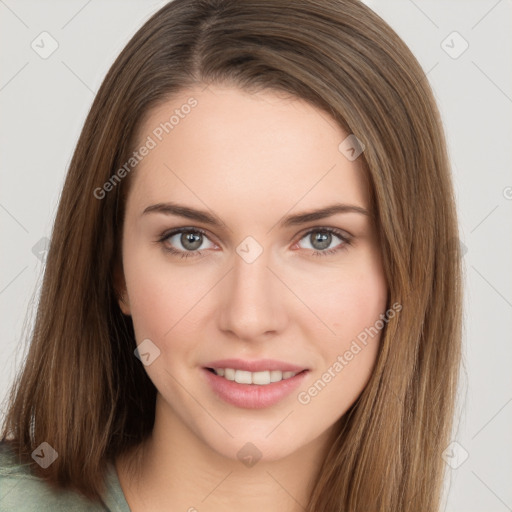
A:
{"points": [[252, 296]]}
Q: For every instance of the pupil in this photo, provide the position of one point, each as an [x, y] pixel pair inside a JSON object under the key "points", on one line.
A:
{"points": [[324, 240], [191, 241]]}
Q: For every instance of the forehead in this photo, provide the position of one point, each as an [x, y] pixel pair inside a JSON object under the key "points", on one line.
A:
{"points": [[231, 149]]}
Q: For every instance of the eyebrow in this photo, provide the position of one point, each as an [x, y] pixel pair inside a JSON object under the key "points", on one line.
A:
{"points": [[290, 220]]}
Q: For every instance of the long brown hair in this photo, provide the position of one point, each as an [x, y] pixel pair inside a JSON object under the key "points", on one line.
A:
{"points": [[84, 392]]}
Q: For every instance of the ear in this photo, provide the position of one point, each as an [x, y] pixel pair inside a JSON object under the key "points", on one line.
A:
{"points": [[120, 290]]}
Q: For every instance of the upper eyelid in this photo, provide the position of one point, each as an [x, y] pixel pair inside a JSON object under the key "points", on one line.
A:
{"points": [[336, 231]]}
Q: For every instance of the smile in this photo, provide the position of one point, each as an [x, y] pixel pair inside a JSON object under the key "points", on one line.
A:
{"points": [[252, 390]]}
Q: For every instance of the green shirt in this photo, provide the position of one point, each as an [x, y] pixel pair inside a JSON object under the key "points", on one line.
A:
{"points": [[21, 491]]}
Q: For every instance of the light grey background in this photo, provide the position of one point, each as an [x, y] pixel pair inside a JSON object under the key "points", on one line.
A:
{"points": [[44, 103]]}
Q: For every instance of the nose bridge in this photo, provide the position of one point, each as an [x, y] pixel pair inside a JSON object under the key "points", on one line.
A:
{"points": [[252, 279], [250, 304]]}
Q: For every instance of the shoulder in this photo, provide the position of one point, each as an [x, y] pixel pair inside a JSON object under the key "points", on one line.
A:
{"points": [[20, 490]]}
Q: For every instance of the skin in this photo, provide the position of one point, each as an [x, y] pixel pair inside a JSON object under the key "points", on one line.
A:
{"points": [[250, 159]]}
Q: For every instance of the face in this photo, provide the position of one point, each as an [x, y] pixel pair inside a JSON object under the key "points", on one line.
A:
{"points": [[220, 262]]}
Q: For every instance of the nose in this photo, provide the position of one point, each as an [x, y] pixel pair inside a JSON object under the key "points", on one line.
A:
{"points": [[252, 300]]}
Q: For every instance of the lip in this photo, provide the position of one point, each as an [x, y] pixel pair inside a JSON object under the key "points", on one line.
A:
{"points": [[252, 396], [255, 366]]}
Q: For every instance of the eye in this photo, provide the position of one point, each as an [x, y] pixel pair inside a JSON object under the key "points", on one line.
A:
{"points": [[187, 240], [320, 239]]}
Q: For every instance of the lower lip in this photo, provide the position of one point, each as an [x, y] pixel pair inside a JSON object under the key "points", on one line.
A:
{"points": [[252, 396]]}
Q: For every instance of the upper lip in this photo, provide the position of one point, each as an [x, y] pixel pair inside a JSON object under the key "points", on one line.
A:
{"points": [[255, 366]]}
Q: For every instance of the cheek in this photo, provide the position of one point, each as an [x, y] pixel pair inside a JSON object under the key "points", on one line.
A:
{"points": [[359, 303], [160, 297], [346, 300], [348, 356], [350, 305]]}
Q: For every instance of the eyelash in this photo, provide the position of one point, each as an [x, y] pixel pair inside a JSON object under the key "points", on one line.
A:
{"points": [[187, 254]]}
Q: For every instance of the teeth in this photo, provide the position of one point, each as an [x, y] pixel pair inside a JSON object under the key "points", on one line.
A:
{"points": [[243, 377], [229, 373], [275, 375], [258, 378]]}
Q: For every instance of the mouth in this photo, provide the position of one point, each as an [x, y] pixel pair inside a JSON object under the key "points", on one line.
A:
{"points": [[252, 390]]}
